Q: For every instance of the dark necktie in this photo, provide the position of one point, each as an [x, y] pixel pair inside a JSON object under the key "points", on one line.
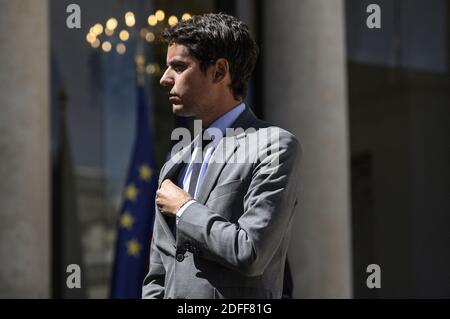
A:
{"points": [[198, 160]]}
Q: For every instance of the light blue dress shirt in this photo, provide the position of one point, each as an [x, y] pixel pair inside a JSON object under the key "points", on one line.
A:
{"points": [[222, 123]]}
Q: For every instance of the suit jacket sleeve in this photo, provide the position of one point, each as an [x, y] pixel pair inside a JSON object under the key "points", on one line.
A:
{"points": [[248, 245], [153, 286]]}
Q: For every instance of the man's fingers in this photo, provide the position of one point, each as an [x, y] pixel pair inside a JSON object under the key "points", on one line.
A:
{"points": [[160, 193], [159, 204], [166, 182]]}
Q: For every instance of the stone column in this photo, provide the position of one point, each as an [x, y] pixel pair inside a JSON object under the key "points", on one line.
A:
{"points": [[24, 150], [303, 47]]}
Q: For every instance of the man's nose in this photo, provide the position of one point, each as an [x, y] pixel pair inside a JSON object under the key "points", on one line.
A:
{"points": [[166, 79]]}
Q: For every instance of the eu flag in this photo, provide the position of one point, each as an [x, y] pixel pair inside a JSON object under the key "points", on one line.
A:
{"points": [[137, 212]]}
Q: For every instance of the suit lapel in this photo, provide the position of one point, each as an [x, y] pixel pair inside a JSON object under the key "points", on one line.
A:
{"points": [[175, 164], [222, 154], [165, 222], [224, 150], [171, 171]]}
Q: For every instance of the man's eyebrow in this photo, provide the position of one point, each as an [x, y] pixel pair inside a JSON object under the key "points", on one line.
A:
{"points": [[176, 61]]}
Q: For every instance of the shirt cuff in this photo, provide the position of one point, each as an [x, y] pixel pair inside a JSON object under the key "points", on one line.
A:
{"points": [[182, 209]]}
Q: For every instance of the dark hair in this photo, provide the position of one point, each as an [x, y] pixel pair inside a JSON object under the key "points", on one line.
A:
{"points": [[212, 36]]}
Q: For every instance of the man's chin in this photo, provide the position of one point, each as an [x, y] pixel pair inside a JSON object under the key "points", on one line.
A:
{"points": [[179, 110]]}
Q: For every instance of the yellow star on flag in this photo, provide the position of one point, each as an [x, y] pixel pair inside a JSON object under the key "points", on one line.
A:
{"points": [[126, 220], [133, 247], [145, 172], [131, 192]]}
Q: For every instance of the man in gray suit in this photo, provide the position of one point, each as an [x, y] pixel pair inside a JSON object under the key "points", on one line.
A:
{"points": [[225, 203]]}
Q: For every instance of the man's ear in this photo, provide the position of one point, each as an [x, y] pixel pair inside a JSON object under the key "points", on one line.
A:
{"points": [[221, 68]]}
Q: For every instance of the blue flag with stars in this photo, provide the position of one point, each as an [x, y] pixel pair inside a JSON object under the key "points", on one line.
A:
{"points": [[137, 214]]}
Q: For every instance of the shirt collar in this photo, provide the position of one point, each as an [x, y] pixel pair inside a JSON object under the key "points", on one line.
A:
{"points": [[227, 119]]}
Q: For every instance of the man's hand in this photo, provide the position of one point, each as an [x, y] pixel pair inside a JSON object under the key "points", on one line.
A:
{"points": [[170, 198]]}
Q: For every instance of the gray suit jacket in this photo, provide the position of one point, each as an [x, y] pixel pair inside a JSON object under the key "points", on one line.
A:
{"points": [[232, 242]]}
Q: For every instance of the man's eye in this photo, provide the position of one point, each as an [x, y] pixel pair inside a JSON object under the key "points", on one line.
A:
{"points": [[179, 68]]}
